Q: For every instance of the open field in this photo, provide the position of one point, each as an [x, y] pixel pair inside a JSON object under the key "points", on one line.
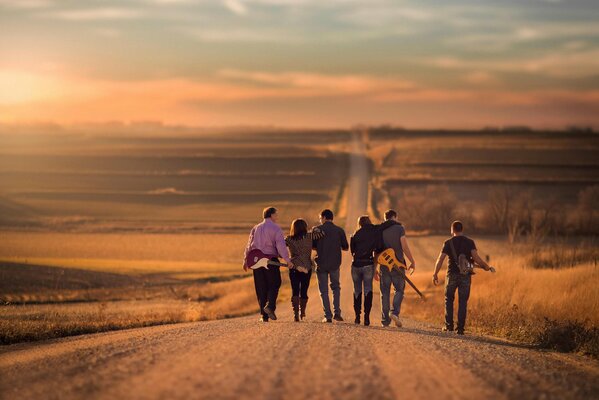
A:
{"points": [[465, 173], [138, 261], [73, 181], [61, 284], [556, 308], [109, 231], [537, 192]]}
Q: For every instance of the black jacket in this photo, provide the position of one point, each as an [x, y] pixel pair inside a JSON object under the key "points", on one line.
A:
{"points": [[328, 248], [362, 244]]}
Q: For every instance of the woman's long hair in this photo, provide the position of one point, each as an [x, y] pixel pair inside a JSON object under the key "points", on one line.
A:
{"points": [[363, 221], [299, 229]]}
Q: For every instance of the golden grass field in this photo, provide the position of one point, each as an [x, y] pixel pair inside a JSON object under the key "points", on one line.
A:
{"points": [[92, 245], [518, 302], [117, 281]]}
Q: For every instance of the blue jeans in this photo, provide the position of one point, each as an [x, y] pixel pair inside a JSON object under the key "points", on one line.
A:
{"points": [[362, 276], [323, 282], [395, 277], [462, 284]]}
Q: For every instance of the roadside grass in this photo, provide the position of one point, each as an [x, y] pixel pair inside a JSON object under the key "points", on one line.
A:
{"points": [[551, 308], [172, 269], [165, 305]]}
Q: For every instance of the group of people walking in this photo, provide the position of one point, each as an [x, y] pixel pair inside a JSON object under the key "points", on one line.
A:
{"points": [[329, 240]]}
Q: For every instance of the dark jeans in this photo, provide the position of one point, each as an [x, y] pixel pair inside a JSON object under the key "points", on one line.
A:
{"points": [[300, 282], [323, 288], [394, 277], [462, 284], [267, 283], [362, 277]]}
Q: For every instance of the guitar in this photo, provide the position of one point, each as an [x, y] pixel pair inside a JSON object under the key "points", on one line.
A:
{"points": [[388, 259], [256, 259]]}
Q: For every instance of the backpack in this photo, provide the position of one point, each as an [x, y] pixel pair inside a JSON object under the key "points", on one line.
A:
{"points": [[464, 264]]}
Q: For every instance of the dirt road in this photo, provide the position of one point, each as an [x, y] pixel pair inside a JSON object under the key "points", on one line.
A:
{"points": [[241, 358]]}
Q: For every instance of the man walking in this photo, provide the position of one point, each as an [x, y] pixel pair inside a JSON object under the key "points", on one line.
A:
{"points": [[455, 246], [328, 263], [393, 235], [267, 237]]}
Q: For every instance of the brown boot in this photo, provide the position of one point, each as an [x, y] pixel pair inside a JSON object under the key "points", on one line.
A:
{"points": [[295, 303], [303, 305]]}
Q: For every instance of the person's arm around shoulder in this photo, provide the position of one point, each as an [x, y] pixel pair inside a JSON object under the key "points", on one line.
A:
{"points": [[314, 240], [344, 244], [316, 233]]}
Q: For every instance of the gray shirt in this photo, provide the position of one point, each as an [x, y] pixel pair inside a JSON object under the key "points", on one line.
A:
{"points": [[391, 239], [328, 248]]}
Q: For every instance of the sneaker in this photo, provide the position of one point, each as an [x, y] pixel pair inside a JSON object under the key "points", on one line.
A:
{"points": [[270, 313], [446, 329], [396, 319], [338, 317], [385, 323], [325, 319], [460, 331], [263, 319]]}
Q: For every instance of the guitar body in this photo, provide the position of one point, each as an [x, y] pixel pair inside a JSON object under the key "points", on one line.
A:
{"points": [[388, 259], [257, 259]]}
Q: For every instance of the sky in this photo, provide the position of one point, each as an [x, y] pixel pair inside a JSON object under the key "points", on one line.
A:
{"points": [[301, 63]]}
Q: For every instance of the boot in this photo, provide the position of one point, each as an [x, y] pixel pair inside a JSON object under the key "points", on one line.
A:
{"points": [[358, 307], [367, 308], [303, 304], [295, 303]]}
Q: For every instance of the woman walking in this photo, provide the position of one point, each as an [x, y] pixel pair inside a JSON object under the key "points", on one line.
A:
{"points": [[299, 242], [362, 246]]}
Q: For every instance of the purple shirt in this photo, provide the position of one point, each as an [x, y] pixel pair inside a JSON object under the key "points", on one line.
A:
{"points": [[267, 237]]}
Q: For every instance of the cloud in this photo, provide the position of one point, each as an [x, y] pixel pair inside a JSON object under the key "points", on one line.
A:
{"points": [[315, 84], [106, 13], [242, 35], [235, 6], [26, 4], [560, 64]]}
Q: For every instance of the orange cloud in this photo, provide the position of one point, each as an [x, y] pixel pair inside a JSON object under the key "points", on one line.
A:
{"points": [[66, 99]]}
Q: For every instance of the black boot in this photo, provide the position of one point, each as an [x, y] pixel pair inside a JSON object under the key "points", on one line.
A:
{"points": [[358, 307], [367, 308], [303, 305], [295, 303]]}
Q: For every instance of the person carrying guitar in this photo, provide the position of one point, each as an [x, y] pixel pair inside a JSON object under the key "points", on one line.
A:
{"points": [[393, 235], [267, 237], [462, 254]]}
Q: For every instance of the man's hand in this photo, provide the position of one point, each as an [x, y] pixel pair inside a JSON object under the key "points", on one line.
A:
{"points": [[377, 276], [412, 268], [290, 264], [245, 267], [435, 279]]}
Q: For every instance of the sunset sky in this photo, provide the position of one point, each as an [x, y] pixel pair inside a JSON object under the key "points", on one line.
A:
{"points": [[320, 63]]}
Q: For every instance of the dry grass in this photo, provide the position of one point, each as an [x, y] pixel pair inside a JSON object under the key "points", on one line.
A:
{"points": [[178, 304], [83, 283], [555, 308]]}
